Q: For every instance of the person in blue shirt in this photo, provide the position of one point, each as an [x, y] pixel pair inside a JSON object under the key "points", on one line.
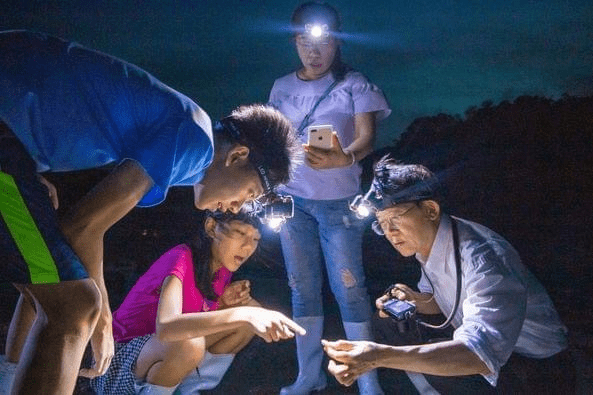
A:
{"points": [[65, 107]]}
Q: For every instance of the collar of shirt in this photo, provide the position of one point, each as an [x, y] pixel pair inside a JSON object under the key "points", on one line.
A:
{"points": [[442, 246]]}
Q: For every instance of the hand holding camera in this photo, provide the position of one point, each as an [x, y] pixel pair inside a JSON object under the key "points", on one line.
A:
{"points": [[396, 300], [397, 304]]}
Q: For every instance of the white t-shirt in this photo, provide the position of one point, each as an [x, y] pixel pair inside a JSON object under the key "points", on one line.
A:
{"points": [[355, 94], [503, 307]]}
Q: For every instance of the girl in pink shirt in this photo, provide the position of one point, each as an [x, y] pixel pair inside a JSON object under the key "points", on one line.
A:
{"points": [[185, 310]]}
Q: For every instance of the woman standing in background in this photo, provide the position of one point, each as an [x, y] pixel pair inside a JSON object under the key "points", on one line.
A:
{"points": [[323, 231]]}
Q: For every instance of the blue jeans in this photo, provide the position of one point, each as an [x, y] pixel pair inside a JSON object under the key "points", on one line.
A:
{"points": [[325, 232]]}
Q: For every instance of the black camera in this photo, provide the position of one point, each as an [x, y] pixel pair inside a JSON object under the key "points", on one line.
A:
{"points": [[403, 313], [399, 309]]}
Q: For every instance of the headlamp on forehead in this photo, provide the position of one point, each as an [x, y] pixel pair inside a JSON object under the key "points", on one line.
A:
{"points": [[362, 205], [315, 33], [374, 200], [272, 210]]}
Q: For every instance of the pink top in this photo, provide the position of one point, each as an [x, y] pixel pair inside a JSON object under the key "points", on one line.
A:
{"points": [[137, 314]]}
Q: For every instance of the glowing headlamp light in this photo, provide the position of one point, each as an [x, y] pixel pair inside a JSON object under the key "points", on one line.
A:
{"points": [[272, 210], [362, 206], [315, 33], [374, 200]]}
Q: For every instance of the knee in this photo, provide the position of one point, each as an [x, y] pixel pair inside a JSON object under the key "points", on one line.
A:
{"points": [[88, 302], [79, 308], [188, 354]]}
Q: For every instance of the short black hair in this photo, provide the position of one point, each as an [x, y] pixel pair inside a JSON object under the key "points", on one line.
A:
{"points": [[268, 134], [316, 12], [395, 182]]}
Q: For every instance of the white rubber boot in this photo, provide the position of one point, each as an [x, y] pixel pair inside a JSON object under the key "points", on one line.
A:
{"points": [[144, 388], [368, 383], [7, 373], [310, 357], [211, 370]]}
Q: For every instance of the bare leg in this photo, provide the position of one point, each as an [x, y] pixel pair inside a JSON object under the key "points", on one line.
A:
{"points": [[167, 363], [20, 325], [233, 341], [66, 315], [229, 342]]}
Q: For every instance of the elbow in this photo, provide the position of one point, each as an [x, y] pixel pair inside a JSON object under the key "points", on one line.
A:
{"points": [[162, 332]]}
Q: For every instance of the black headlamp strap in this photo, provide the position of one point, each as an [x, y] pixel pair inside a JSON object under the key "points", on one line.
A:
{"points": [[265, 181], [228, 125]]}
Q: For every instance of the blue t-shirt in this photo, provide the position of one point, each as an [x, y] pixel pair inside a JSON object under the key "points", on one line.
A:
{"points": [[74, 108]]}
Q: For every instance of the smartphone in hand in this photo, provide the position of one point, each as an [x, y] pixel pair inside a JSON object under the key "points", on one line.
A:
{"points": [[320, 136]]}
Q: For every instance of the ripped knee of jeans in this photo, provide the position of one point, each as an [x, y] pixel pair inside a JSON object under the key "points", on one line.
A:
{"points": [[348, 278]]}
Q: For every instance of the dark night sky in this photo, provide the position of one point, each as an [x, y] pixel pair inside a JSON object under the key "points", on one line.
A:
{"points": [[427, 56]]}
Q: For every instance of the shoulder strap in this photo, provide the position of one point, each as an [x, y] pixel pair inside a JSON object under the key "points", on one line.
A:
{"points": [[458, 272], [305, 120]]}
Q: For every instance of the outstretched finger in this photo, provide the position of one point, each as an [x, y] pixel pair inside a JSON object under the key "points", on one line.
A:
{"points": [[296, 328], [338, 353], [286, 332], [341, 345]]}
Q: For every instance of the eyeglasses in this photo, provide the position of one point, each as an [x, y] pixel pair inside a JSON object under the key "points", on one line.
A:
{"points": [[394, 221]]}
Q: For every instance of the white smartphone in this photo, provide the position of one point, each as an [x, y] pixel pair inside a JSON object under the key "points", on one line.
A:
{"points": [[320, 136]]}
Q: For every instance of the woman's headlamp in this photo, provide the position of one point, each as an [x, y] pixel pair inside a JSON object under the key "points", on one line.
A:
{"points": [[317, 31], [272, 210], [314, 33]]}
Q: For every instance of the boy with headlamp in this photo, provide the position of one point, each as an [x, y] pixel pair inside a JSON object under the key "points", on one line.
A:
{"points": [[64, 107]]}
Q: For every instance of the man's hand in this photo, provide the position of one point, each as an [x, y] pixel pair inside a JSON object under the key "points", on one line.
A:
{"points": [[424, 302], [102, 345], [238, 293], [319, 158], [350, 359]]}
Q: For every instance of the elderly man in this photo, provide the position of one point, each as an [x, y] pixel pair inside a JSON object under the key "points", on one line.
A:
{"points": [[505, 327]]}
